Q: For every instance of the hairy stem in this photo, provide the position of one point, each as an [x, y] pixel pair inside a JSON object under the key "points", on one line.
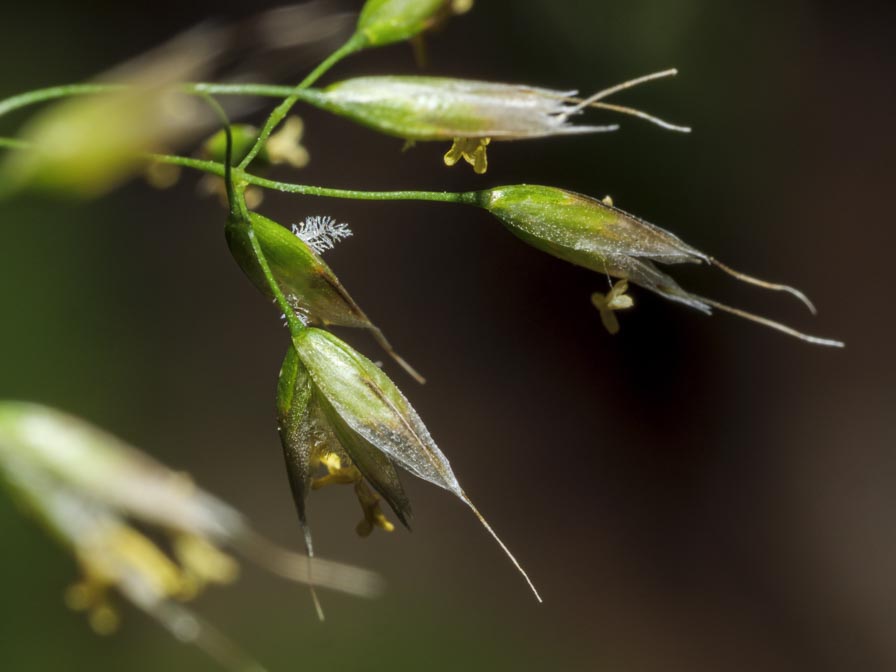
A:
{"points": [[354, 43], [239, 211], [466, 198], [292, 322], [242, 177]]}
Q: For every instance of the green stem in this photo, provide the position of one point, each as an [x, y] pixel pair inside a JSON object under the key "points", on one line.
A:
{"points": [[260, 90], [69, 90], [292, 322], [244, 178], [354, 43], [239, 211], [211, 167], [228, 157], [465, 198]]}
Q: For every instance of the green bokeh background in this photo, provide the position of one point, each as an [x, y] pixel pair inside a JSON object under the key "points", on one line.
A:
{"points": [[693, 494]]}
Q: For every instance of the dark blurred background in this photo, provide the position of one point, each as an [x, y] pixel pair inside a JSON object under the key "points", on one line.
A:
{"points": [[693, 494]]}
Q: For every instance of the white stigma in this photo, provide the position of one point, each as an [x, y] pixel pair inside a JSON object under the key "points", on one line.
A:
{"points": [[321, 233]]}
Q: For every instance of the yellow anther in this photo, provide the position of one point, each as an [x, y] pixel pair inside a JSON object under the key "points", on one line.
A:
{"points": [[377, 519], [82, 595], [332, 479], [380, 520], [615, 299], [343, 473], [103, 619], [254, 197], [332, 462], [471, 150], [373, 514], [202, 563], [147, 559], [89, 595], [285, 145], [336, 473]]}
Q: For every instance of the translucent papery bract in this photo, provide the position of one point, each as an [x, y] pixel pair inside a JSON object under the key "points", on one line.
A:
{"points": [[310, 428], [436, 108], [300, 434], [373, 463], [592, 234], [311, 288], [366, 404], [371, 406], [384, 22], [596, 235]]}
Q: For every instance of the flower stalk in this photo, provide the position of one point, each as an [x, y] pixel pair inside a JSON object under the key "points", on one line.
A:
{"points": [[340, 418]]}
